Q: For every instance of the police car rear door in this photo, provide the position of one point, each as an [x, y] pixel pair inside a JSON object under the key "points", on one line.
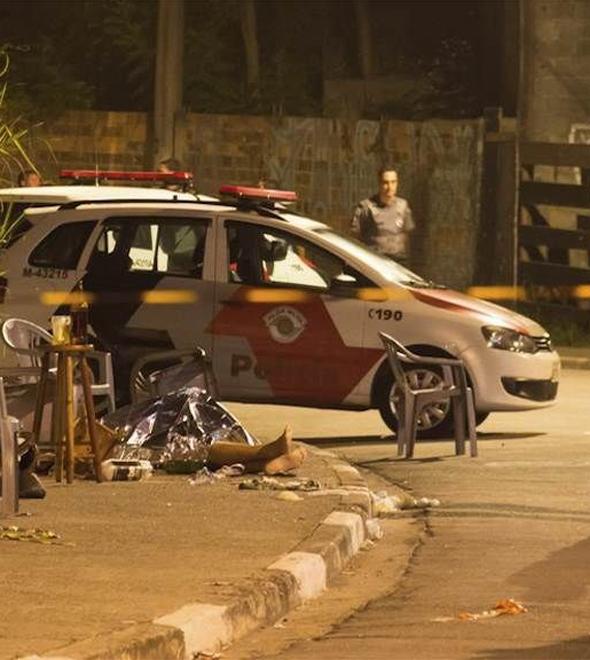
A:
{"points": [[154, 274]]}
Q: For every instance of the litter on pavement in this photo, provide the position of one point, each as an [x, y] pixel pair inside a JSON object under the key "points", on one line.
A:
{"points": [[289, 496], [45, 536], [270, 483], [504, 606], [126, 470], [374, 529], [206, 476], [385, 504]]}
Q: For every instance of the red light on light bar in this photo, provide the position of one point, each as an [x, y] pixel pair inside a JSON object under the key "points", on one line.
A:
{"points": [[124, 175], [251, 192]]}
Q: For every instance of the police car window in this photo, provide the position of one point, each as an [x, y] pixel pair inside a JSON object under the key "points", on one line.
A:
{"points": [[144, 238], [174, 247], [63, 246], [181, 248], [108, 241], [259, 255], [143, 257]]}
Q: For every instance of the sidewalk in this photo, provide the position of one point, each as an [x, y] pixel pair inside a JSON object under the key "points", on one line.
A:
{"points": [[163, 569]]}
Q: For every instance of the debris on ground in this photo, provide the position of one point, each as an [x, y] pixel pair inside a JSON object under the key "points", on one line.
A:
{"points": [[126, 470], [289, 496], [35, 535], [385, 504], [504, 606], [374, 529], [206, 476], [270, 483]]}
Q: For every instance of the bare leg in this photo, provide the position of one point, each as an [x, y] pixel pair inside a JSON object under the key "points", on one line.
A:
{"points": [[284, 463], [226, 453], [274, 457]]}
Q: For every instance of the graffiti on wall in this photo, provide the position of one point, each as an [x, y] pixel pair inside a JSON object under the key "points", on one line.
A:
{"points": [[331, 163]]}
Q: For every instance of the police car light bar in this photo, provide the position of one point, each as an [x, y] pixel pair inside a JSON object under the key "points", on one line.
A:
{"points": [[125, 175], [253, 193]]}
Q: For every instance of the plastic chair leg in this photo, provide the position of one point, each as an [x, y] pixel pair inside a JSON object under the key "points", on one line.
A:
{"points": [[402, 426], [411, 426], [472, 433], [459, 422]]}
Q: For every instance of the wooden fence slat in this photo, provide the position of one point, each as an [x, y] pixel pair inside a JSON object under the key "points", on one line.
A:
{"points": [[563, 312], [541, 272], [554, 194], [530, 235], [551, 153]]}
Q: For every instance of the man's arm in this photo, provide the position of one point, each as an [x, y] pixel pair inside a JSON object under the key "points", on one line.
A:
{"points": [[355, 226], [362, 222], [409, 224]]}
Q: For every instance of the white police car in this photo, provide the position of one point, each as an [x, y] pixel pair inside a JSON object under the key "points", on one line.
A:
{"points": [[288, 309]]}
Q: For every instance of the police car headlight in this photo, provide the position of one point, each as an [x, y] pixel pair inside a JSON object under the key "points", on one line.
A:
{"points": [[508, 340]]}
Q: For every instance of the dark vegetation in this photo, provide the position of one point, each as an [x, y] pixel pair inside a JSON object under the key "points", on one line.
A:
{"points": [[100, 54]]}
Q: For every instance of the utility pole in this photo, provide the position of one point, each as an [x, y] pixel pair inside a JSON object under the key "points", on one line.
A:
{"points": [[250, 36], [168, 82], [364, 38]]}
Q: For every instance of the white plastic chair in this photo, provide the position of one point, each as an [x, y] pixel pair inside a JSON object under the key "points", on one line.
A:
{"points": [[24, 338], [411, 402]]}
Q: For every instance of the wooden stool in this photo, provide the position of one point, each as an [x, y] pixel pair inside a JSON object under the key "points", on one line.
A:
{"points": [[62, 421]]}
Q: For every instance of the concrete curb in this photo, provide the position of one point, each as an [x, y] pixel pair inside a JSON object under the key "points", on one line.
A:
{"points": [[263, 598], [571, 362]]}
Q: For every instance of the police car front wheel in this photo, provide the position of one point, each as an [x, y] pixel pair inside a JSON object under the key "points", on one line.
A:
{"points": [[435, 421]]}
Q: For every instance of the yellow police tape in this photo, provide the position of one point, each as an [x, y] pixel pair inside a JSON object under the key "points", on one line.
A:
{"points": [[497, 292], [579, 291], [271, 295], [164, 297]]}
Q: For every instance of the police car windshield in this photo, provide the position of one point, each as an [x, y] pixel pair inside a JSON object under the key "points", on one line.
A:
{"points": [[392, 270]]}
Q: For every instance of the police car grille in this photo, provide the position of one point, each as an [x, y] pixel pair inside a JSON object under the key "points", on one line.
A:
{"points": [[543, 343]]}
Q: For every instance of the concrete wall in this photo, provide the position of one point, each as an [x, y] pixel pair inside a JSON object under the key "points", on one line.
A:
{"points": [[555, 93], [331, 163]]}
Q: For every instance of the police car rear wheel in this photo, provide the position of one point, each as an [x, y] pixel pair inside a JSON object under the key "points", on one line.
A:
{"points": [[435, 421]]}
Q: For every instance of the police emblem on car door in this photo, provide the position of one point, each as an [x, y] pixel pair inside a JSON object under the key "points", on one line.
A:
{"points": [[280, 333]]}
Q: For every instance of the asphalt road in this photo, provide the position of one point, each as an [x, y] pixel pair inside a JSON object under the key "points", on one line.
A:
{"points": [[513, 523]]}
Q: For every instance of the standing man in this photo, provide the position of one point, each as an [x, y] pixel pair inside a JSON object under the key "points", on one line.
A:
{"points": [[167, 166], [384, 221]]}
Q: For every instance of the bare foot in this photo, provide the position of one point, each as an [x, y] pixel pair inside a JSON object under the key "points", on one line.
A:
{"points": [[286, 462], [282, 445]]}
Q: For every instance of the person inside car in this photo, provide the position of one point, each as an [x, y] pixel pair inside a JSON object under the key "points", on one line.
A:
{"points": [[29, 179]]}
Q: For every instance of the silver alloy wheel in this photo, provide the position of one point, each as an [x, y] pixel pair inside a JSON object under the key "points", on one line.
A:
{"points": [[432, 415]]}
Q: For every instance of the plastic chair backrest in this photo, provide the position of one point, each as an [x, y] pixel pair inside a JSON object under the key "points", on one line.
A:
{"points": [[151, 376], [394, 350], [24, 338]]}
